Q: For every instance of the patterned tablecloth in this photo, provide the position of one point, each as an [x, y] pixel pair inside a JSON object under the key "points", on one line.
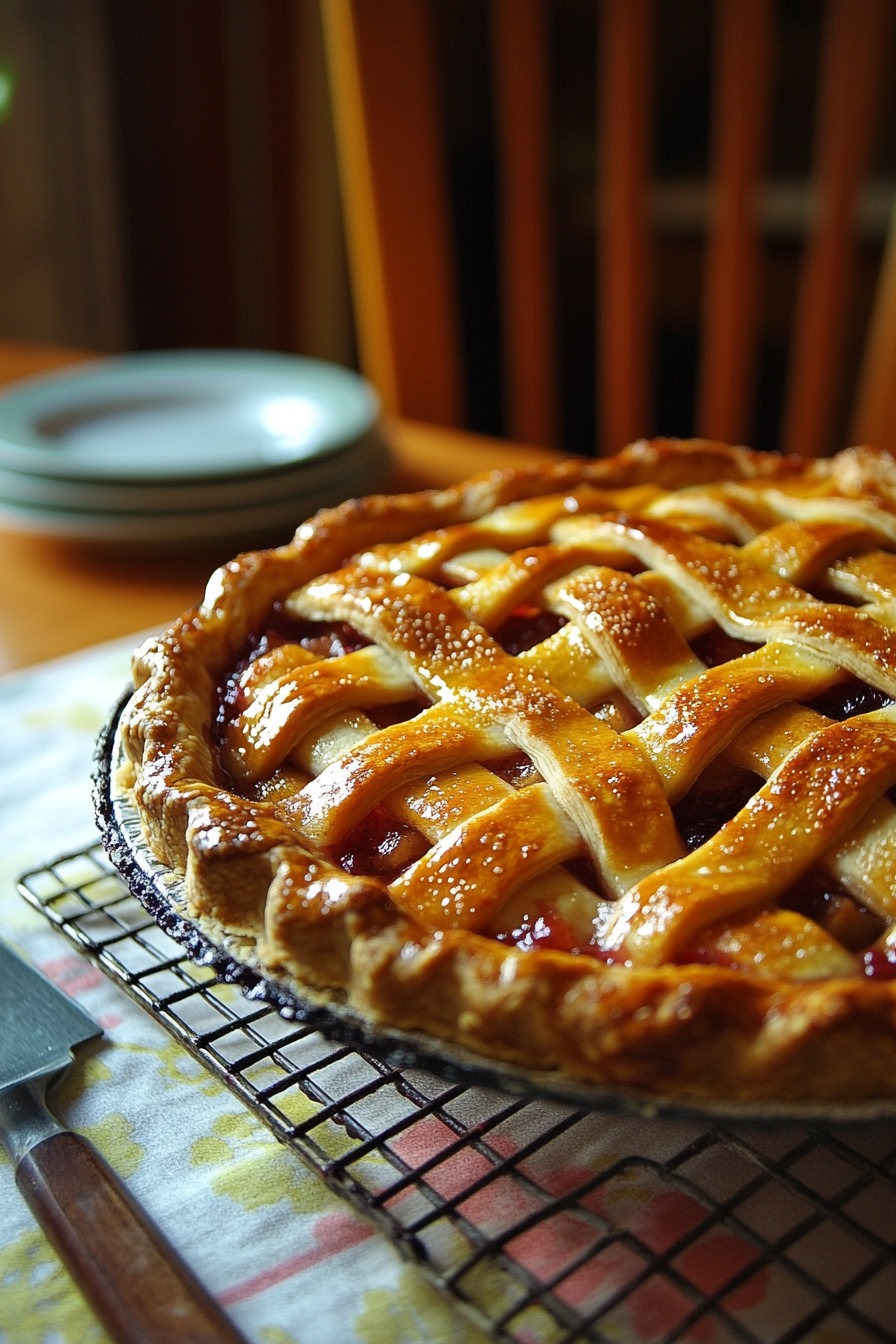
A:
{"points": [[288, 1259]]}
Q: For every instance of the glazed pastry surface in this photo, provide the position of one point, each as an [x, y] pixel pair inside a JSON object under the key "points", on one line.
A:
{"points": [[586, 767]]}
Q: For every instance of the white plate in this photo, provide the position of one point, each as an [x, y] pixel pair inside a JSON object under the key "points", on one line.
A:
{"points": [[174, 416], [50, 492], [241, 525]]}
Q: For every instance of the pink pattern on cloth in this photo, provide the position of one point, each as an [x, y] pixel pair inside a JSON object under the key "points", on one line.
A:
{"points": [[334, 1232], [552, 1245], [72, 974]]}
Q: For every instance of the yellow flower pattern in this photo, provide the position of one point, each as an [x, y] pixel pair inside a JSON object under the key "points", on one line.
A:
{"points": [[112, 1138], [256, 1170], [38, 1300], [177, 1066], [413, 1312]]}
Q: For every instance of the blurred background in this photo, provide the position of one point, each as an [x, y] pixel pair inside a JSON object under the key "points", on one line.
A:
{"points": [[169, 180]]}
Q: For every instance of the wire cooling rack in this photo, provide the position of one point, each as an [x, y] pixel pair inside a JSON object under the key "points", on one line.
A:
{"points": [[544, 1223]]}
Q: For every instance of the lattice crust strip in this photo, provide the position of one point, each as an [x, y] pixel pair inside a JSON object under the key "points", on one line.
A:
{"points": [[526, 704]]}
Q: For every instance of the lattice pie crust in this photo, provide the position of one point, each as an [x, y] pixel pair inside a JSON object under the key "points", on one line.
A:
{"points": [[583, 766]]}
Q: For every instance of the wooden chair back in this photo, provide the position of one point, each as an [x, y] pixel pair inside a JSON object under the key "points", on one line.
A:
{"points": [[383, 82]]}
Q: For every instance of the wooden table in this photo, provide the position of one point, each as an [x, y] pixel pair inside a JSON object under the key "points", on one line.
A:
{"points": [[57, 596]]}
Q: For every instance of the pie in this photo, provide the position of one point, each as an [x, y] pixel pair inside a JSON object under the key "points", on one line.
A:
{"points": [[586, 767]]}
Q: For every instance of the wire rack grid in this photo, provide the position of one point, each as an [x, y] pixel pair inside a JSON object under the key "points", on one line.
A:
{"points": [[542, 1222]]}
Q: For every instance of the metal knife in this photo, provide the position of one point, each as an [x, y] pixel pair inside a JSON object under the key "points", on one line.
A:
{"points": [[133, 1278]]}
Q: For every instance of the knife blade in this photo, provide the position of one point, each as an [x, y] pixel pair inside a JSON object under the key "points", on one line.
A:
{"points": [[133, 1278]]}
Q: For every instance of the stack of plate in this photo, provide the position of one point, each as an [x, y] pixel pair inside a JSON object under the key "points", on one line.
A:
{"points": [[185, 446]]}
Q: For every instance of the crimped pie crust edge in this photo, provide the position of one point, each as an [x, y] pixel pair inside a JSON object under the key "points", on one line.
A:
{"points": [[675, 1031]]}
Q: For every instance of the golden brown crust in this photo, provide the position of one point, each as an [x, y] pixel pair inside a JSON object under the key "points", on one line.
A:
{"points": [[640, 555]]}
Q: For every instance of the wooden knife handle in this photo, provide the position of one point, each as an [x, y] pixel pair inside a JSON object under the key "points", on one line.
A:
{"points": [[135, 1281]]}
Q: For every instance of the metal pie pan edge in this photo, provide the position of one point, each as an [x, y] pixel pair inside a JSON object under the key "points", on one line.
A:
{"points": [[152, 885]]}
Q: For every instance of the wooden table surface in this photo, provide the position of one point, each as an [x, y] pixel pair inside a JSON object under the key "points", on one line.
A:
{"points": [[57, 596]]}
